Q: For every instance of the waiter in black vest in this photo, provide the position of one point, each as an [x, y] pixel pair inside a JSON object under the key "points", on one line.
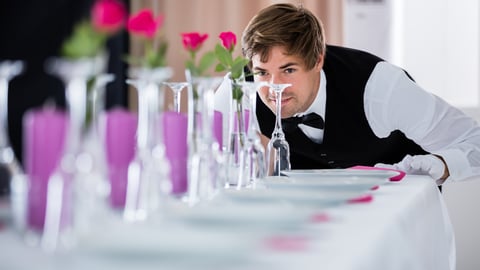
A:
{"points": [[362, 110]]}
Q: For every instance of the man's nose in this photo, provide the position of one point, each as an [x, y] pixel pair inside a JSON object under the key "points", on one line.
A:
{"points": [[274, 80]]}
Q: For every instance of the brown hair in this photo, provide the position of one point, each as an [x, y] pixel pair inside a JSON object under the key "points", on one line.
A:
{"points": [[295, 28]]}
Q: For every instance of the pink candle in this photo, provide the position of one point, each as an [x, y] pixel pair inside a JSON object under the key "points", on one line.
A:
{"points": [[175, 139], [44, 134], [218, 127], [121, 127], [246, 119]]}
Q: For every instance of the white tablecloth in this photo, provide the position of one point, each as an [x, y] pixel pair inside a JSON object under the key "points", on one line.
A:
{"points": [[405, 226]]}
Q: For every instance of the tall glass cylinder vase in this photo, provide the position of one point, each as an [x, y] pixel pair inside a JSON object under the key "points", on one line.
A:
{"points": [[148, 173], [236, 151]]}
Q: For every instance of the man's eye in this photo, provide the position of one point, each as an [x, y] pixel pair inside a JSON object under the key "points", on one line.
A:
{"points": [[260, 73], [289, 70]]}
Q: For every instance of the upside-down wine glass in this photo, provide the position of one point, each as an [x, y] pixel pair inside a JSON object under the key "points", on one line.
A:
{"points": [[203, 151], [148, 172], [177, 88], [59, 225], [278, 150]]}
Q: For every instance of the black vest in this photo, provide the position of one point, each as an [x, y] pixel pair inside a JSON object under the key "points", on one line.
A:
{"points": [[348, 139]]}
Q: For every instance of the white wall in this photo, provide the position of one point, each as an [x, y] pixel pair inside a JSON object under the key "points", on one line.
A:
{"points": [[438, 42]]}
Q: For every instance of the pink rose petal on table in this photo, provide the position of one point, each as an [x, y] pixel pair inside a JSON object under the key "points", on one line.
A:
{"points": [[287, 243], [367, 198], [320, 218], [395, 178]]}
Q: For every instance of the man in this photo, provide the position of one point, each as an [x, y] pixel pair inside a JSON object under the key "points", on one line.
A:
{"points": [[373, 113]]}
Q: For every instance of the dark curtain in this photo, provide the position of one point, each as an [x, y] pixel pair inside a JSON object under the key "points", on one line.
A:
{"points": [[33, 31]]}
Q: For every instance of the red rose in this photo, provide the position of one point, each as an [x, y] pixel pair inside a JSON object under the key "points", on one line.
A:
{"points": [[108, 15], [144, 24], [193, 41], [229, 40]]}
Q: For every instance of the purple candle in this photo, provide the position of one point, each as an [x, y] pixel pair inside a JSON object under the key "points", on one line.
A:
{"points": [[121, 126], [218, 127], [44, 135], [175, 139], [246, 119]]}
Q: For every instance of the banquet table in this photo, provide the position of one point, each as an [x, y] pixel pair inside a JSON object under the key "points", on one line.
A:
{"points": [[405, 225]]}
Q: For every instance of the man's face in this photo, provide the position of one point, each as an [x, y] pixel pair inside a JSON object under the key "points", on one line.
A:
{"points": [[283, 68]]}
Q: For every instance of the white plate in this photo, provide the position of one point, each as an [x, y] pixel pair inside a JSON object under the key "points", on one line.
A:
{"points": [[306, 197], [364, 183], [243, 216], [339, 173]]}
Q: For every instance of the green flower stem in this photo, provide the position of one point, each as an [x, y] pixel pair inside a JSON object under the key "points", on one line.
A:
{"points": [[237, 94]]}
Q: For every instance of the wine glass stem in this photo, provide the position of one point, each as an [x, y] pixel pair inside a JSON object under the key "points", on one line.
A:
{"points": [[3, 111], [147, 110], [176, 101], [76, 99], [278, 105]]}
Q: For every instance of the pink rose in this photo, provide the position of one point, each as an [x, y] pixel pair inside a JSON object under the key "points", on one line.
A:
{"points": [[108, 15], [229, 40], [193, 41], [144, 24]]}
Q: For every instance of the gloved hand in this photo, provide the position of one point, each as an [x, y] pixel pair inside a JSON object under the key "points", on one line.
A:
{"points": [[420, 165]]}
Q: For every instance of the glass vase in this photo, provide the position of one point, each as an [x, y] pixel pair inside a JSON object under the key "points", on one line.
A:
{"points": [[148, 172], [256, 166], [236, 150]]}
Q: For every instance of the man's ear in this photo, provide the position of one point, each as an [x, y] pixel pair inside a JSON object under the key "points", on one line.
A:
{"points": [[319, 64]]}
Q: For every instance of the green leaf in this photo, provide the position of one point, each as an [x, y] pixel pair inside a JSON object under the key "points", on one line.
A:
{"points": [[205, 62], [237, 92], [157, 58], [240, 59], [134, 61], [237, 68], [191, 66], [220, 67], [84, 42], [223, 55]]}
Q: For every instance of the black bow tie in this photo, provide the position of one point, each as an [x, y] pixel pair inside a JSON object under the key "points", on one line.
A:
{"points": [[312, 119]]}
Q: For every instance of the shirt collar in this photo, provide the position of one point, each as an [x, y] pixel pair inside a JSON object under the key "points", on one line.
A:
{"points": [[319, 104]]}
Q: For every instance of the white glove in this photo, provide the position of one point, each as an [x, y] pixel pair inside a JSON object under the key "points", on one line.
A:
{"points": [[420, 165]]}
